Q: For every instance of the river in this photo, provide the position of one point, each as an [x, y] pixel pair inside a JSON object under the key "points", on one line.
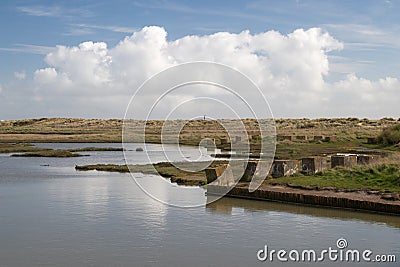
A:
{"points": [[53, 215]]}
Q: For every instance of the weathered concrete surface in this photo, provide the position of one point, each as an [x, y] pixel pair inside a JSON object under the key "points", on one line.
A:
{"points": [[284, 138], [343, 161], [358, 201], [221, 175], [301, 137], [367, 159], [318, 138], [312, 165], [330, 139], [282, 168], [255, 169], [238, 139], [224, 141]]}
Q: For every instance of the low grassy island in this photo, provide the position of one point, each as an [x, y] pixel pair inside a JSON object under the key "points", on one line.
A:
{"points": [[164, 169], [32, 151], [53, 153]]}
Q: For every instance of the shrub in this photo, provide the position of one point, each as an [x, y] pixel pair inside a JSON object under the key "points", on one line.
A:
{"points": [[390, 136]]}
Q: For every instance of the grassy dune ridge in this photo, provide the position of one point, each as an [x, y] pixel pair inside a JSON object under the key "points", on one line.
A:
{"points": [[32, 151], [67, 129]]}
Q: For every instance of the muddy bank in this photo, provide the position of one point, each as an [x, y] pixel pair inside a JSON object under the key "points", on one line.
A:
{"points": [[326, 198]]}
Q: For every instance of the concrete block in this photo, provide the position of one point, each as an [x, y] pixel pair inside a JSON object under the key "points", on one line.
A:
{"points": [[330, 139], [301, 137], [312, 165], [238, 139], [284, 138], [255, 169], [366, 159], [343, 161], [224, 141], [318, 138], [282, 168], [221, 175]]}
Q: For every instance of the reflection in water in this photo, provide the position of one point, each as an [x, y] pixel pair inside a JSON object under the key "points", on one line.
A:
{"points": [[226, 205]]}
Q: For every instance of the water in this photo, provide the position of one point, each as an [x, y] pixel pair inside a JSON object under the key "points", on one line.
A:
{"points": [[55, 216]]}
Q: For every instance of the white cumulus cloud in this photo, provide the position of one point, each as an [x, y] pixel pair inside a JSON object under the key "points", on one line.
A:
{"points": [[290, 69], [20, 75]]}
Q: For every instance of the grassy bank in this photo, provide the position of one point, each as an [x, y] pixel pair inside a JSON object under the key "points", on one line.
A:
{"points": [[382, 177], [52, 153], [87, 149], [19, 147], [164, 169], [32, 151]]}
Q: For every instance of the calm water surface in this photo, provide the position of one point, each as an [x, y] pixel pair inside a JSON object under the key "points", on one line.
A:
{"points": [[52, 215]]}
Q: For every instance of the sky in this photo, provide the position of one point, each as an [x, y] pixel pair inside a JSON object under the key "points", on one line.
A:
{"points": [[308, 58]]}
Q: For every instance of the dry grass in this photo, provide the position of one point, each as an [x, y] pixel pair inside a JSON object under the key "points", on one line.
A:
{"points": [[348, 132], [52, 153], [164, 169]]}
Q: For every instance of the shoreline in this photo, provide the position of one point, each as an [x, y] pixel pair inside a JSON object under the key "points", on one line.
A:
{"points": [[364, 200], [296, 138], [359, 201]]}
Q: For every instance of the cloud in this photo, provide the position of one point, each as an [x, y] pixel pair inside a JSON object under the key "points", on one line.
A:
{"points": [[366, 37], [54, 11], [41, 11], [184, 9], [20, 75], [112, 28], [29, 48], [86, 29], [95, 80], [84, 65]]}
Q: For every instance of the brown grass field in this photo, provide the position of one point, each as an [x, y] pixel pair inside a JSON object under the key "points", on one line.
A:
{"points": [[338, 135]]}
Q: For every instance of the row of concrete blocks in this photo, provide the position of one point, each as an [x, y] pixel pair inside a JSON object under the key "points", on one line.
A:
{"points": [[237, 139], [304, 138], [221, 141], [312, 165], [285, 138], [280, 168]]}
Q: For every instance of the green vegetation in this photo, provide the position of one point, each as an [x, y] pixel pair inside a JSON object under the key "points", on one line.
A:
{"points": [[390, 136], [54, 153], [86, 149], [103, 167], [382, 177], [164, 169], [351, 130], [345, 135], [17, 147], [61, 130], [297, 150], [32, 151]]}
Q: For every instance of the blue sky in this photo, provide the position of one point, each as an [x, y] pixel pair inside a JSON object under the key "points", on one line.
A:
{"points": [[368, 30]]}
